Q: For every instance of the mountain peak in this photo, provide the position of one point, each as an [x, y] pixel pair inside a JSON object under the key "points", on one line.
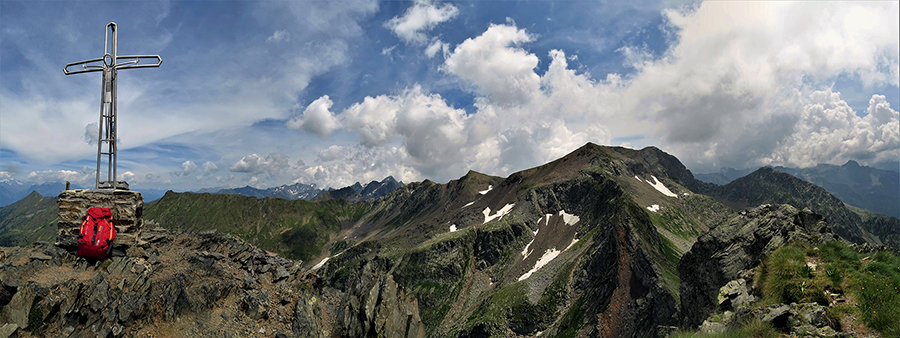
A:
{"points": [[851, 164]]}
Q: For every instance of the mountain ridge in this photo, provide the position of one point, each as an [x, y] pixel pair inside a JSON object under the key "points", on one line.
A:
{"points": [[865, 187], [770, 186], [586, 245]]}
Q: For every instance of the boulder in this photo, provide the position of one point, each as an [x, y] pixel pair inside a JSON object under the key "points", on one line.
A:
{"points": [[780, 316], [734, 295], [811, 313]]}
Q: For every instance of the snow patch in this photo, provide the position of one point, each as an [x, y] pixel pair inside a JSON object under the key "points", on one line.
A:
{"points": [[574, 240], [661, 188], [656, 184], [486, 191], [453, 228], [654, 208], [468, 204], [500, 213], [548, 256], [570, 219], [317, 266], [525, 252], [322, 263]]}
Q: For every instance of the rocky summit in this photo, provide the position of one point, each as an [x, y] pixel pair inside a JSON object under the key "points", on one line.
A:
{"points": [[603, 242], [193, 285]]}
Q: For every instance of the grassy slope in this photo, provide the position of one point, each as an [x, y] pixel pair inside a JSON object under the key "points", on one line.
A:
{"points": [[296, 229], [871, 283], [31, 219]]}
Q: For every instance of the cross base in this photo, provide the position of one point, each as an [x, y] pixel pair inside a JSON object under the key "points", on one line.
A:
{"points": [[121, 185]]}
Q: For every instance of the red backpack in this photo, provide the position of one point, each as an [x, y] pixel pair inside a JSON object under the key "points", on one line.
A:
{"points": [[97, 233]]}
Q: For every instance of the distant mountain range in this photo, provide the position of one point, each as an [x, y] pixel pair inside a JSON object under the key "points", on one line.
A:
{"points": [[12, 191], [873, 189], [587, 245], [300, 191], [29, 219]]}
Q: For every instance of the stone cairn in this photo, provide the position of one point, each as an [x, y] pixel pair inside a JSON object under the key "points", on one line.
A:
{"points": [[127, 209]]}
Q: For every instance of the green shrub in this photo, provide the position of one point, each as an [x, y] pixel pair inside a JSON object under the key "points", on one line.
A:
{"points": [[835, 276], [35, 317]]}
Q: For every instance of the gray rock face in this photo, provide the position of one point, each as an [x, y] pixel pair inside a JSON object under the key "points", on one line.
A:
{"points": [[375, 303], [739, 244]]}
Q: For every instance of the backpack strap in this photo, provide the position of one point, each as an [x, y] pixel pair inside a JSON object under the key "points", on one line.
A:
{"points": [[81, 231], [112, 230]]}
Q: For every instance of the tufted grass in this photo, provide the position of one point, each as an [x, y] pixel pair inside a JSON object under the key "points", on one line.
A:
{"points": [[873, 281], [752, 329]]}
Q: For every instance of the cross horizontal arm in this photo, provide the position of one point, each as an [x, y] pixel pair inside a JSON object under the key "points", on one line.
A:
{"points": [[135, 60], [86, 68]]}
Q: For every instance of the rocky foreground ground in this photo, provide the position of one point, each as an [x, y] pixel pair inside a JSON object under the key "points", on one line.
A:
{"points": [[190, 285]]}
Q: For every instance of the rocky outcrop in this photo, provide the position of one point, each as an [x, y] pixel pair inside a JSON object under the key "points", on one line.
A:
{"points": [[723, 253], [798, 320], [127, 210], [192, 285], [378, 305]]}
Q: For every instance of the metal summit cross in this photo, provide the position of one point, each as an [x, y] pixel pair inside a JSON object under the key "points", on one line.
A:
{"points": [[109, 65]]}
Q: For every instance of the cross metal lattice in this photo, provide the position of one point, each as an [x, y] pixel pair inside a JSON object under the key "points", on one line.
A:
{"points": [[109, 65]]}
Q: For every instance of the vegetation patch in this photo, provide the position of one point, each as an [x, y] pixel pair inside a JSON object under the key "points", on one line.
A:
{"points": [[435, 274], [35, 317], [872, 281], [510, 307], [754, 328], [296, 229], [572, 321]]}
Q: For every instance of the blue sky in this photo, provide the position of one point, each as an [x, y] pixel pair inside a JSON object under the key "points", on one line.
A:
{"points": [[265, 93]]}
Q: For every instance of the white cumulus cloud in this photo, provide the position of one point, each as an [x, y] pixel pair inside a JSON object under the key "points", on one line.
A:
{"points": [[210, 167], [498, 69], [82, 177], [273, 164], [316, 118], [423, 16], [830, 132], [735, 87]]}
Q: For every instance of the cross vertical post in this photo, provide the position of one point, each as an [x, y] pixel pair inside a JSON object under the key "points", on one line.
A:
{"points": [[109, 65]]}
